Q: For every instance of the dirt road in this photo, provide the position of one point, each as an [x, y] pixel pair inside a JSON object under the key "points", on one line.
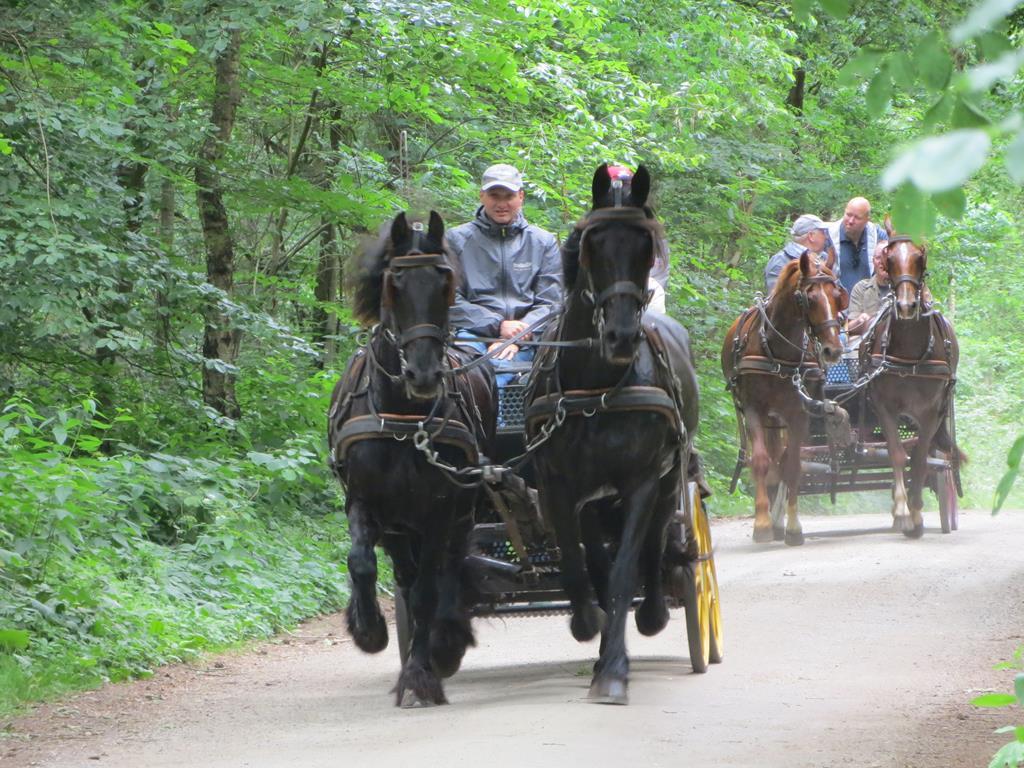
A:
{"points": [[859, 649]]}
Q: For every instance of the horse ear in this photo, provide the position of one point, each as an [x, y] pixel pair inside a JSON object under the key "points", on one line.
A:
{"points": [[640, 187], [887, 225], [399, 229], [805, 263], [435, 228], [600, 185]]}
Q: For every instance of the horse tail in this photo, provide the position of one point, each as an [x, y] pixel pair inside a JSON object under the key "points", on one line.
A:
{"points": [[944, 442]]}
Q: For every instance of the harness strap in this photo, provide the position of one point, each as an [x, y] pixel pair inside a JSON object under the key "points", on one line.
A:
{"points": [[393, 426], [588, 402]]}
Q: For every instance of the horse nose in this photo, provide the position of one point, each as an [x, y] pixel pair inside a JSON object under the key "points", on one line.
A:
{"points": [[908, 308]]}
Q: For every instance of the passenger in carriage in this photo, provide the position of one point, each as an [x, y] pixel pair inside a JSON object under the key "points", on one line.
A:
{"points": [[511, 270], [657, 282], [854, 238], [867, 295], [807, 235]]}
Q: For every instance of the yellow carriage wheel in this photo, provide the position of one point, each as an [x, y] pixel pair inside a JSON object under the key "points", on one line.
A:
{"points": [[704, 619]]}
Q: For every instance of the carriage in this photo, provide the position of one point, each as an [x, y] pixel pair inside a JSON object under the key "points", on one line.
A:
{"points": [[514, 561], [815, 417], [863, 464], [602, 521]]}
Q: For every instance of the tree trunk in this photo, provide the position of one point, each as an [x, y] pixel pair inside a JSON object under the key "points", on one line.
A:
{"points": [[163, 307], [795, 99], [328, 272], [220, 340]]}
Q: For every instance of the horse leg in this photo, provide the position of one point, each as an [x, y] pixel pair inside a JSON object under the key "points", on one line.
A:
{"points": [[599, 565], [791, 477], [365, 621], [898, 457], [560, 510], [775, 444], [759, 465], [918, 472], [652, 615], [610, 684], [452, 634], [418, 684]]}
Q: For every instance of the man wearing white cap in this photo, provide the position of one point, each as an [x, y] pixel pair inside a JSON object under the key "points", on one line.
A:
{"points": [[511, 270], [808, 233]]}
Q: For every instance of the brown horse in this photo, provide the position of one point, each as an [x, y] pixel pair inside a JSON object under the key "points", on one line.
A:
{"points": [[917, 349], [795, 331]]}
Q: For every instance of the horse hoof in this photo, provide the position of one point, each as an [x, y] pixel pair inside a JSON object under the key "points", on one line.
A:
{"points": [[586, 624], [914, 531], [778, 533], [794, 538], [763, 535], [411, 701], [448, 642], [418, 687], [651, 617], [371, 637], [609, 691]]}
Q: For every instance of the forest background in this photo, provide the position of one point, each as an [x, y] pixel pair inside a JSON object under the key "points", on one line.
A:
{"points": [[184, 185]]}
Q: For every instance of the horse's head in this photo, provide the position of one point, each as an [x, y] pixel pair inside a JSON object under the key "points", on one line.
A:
{"points": [[418, 287], [819, 298], [616, 255], [908, 267]]}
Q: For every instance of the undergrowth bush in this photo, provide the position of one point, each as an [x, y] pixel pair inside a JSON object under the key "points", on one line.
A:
{"points": [[110, 565]]}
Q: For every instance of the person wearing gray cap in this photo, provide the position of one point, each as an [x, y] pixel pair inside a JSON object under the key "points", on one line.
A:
{"points": [[808, 233], [511, 270]]}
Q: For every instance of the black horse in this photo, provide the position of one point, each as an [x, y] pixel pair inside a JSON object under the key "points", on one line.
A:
{"points": [[398, 393], [620, 408]]}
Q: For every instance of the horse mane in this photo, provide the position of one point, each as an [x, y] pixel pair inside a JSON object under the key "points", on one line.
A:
{"points": [[571, 247], [367, 282]]}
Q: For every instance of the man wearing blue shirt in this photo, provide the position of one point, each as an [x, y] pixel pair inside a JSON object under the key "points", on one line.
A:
{"points": [[854, 238]]}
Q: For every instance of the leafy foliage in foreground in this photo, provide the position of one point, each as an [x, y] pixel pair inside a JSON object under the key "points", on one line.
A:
{"points": [[113, 564]]}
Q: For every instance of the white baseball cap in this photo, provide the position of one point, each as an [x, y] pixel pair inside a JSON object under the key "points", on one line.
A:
{"points": [[502, 175]]}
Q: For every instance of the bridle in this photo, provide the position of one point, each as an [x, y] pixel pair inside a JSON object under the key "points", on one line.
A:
{"points": [[917, 282], [402, 337], [634, 218]]}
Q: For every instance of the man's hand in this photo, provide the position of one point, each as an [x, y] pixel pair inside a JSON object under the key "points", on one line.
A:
{"points": [[507, 353], [510, 328], [859, 323]]}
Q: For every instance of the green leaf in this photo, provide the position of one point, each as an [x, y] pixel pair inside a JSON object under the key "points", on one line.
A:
{"points": [[837, 9], [938, 163], [1003, 489], [13, 639], [914, 212], [880, 91], [902, 68], [995, 700], [933, 61], [994, 44], [1016, 453], [858, 67], [984, 76], [983, 17], [802, 9], [61, 493], [60, 434], [967, 115], [1014, 158], [951, 204], [939, 113]]}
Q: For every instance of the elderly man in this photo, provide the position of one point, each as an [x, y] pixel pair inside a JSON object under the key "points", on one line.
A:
{"points": [[512, 270], [854, 238], [806, 234], [867, 295]]}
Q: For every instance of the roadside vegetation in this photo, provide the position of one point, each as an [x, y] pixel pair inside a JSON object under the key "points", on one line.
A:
{"points": [[185, 183]]}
